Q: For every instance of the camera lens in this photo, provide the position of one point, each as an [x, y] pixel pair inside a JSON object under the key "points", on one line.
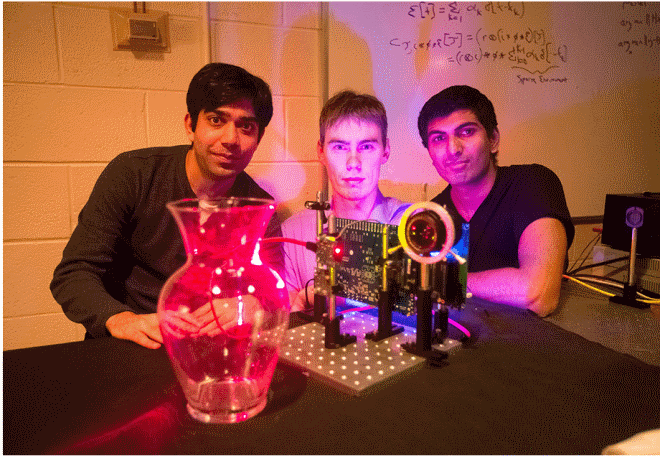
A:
{"points": [[422, 235], [425, 233]]}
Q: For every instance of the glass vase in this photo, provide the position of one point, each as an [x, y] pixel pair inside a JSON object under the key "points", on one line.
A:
{"points": [[223, 314]]}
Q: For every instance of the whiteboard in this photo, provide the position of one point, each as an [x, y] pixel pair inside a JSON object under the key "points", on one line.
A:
{"points": [[576, 86]]}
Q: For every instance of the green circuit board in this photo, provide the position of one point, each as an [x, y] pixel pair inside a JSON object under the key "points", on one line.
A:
{"points": [[359, 273]]}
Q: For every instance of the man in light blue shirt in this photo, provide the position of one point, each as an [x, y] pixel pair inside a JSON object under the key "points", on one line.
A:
{"points": [[353, 146]]}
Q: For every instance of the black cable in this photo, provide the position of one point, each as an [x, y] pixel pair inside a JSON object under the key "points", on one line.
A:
{"points": [[583, 250], [594, 241], [307, 304], [602, 263]]}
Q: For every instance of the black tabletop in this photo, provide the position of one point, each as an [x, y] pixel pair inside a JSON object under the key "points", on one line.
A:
{"points": [[524, 386]]}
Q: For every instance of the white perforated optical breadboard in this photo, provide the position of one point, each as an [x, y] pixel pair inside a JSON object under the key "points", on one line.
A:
{"points": [[353, 368]]}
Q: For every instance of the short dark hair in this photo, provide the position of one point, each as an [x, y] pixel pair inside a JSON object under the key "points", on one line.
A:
{"points": [[350, 105], [218, 84], [452, 99]]}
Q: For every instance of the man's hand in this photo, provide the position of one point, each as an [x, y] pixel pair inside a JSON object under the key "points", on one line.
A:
{"points": [[220, 315], [299, 299], [223, 314], [141, 329]]}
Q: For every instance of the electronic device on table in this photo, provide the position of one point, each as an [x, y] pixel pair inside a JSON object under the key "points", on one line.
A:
{"points": [[632, 222], [417, 268]]}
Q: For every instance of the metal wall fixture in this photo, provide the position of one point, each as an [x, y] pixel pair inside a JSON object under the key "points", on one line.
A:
{"points": [[140, 31]]}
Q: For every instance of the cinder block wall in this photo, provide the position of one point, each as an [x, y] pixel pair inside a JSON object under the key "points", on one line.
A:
{"points": [[72, 103]]}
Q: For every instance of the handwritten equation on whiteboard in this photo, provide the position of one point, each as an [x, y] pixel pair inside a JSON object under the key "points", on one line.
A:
{"points": [[455, 11], [524, 48], [641, 27]]}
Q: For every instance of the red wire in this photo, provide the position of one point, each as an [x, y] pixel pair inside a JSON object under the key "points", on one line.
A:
{"points": [[283, 239]]}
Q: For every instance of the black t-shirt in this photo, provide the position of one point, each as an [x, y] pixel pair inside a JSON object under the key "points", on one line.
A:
{"points": [[126, 243], [520, 195]]}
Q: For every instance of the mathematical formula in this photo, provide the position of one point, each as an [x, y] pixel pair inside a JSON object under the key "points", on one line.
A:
{"points": [[455, 11], [525, 47], [642, 25], [641, 28], [531, 51], [647, 20], [480, 38], [645, 41]]}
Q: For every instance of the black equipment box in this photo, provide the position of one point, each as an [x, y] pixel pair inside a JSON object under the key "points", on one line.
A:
{"points": [[637, 209]]}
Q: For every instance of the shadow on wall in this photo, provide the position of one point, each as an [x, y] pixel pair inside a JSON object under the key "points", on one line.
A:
{"points": [[298, 180], [350, 60], [290, 184], [291, 174], [352, 64]]}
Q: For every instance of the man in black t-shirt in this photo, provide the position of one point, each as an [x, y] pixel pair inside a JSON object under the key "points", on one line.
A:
{"points": [[520, 227], [126, 243]]}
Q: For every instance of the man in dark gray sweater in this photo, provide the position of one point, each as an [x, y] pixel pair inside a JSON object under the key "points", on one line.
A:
{"points": [[126, 243]]}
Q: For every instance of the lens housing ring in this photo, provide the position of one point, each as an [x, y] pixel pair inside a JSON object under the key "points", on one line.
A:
{"points": [[412, 212]]}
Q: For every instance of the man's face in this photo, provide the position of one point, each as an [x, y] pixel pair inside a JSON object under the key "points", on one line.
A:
{"points": [[353, 152], [224, 140], [460, 148]]}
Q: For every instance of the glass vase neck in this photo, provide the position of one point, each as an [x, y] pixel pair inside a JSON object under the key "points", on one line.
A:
{"points": [[221, 231]]}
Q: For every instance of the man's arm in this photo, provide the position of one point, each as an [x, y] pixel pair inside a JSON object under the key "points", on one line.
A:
{"points": [[94, 262], [536, 284]]}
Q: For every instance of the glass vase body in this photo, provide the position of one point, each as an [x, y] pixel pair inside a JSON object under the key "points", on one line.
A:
{"points": [[223, 314]]}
